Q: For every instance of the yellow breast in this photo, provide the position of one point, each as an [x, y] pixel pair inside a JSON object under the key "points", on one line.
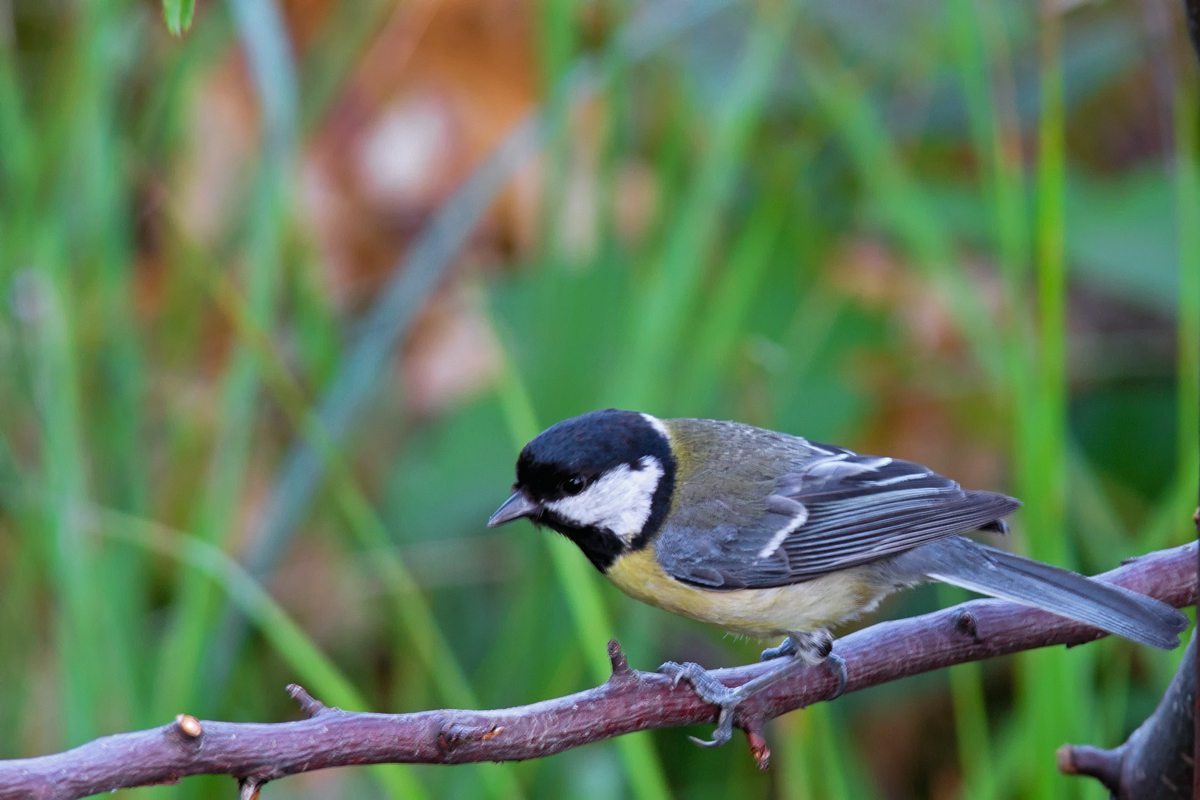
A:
{"points": [[760, 613]]}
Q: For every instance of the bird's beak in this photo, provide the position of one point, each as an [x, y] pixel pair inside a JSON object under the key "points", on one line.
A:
{"points": [[514, 507]]}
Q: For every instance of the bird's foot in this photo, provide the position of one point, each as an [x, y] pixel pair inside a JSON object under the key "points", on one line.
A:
{"points": [[804, 650], [814, 648], [788, 647], [711, 691], [837, 666]]}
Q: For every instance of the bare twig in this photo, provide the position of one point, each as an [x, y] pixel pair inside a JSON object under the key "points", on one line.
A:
{"points": [[629, 701]]}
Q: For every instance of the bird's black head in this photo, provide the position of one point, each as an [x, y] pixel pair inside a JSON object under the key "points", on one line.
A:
{"points": [[603, 479]]}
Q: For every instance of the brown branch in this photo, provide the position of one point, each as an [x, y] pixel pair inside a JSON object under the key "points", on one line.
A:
{"points": [[629, 701], [1156, 760]]}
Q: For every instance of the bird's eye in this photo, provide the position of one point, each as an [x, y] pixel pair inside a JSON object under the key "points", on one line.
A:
{"points": [[574, 486]]}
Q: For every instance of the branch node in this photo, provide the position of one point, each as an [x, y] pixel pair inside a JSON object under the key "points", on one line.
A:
{"points": [[248, 788], [456, 734], [1083, 759], [758, 744], [308, 704], [621, 671], [966, 624], [1065, 760], [189, 726]]}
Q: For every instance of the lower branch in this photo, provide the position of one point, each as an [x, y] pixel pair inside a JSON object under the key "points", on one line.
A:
{"points": [[629, 701], [1156, 760]]}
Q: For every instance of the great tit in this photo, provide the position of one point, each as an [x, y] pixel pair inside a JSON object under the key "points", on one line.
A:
{"points": [[766, 534]]}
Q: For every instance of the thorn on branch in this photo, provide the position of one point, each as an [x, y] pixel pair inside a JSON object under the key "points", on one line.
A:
{"points": [[189, 726], [308, 704], [248, 788], [758, 744], [621, 671], [966, 624]]}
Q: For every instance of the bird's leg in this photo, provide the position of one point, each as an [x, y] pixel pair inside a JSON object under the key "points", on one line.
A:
{"points": [[813, 648], [806, 650], [787, 647]]}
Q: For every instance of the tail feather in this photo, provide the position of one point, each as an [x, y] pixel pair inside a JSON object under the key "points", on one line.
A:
{"points": [[978, 568]]}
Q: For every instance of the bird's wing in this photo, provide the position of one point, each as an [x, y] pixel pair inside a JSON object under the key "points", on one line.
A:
{"points": [[830, 510]]}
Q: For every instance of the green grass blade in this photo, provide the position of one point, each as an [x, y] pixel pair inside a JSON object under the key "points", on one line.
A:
{"points": [[1049, 456], [178, 15], [1050, 684], [730, 304], [978, 54], [829, 760], [268, 52], [793, 744], [18, 162], [116, 418], [72, 557]]}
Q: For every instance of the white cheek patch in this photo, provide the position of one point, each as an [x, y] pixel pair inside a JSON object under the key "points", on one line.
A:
{"points": [[619, 501], [658, 425]]}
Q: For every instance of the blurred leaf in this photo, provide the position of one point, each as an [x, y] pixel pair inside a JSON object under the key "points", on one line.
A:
{"points": [[178, 14]]}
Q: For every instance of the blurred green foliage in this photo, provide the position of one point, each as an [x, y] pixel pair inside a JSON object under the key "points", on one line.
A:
{"points": [[963, 232]]}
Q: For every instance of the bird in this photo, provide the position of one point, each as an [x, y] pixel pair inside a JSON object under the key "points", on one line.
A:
{"points": [[767, 534]]}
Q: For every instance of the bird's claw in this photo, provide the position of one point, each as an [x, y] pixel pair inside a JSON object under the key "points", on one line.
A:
{"points": [[787, 647], [837, 666], [711, 691], [723, 732], [673, 671], [705, 686]]}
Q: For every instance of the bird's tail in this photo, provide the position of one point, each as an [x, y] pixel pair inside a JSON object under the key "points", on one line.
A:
{"points": [[978, 568]]}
